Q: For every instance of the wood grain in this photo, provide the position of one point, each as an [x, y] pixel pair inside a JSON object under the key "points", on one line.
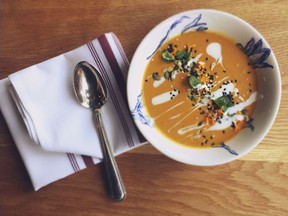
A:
{"points": [[256, 184]]}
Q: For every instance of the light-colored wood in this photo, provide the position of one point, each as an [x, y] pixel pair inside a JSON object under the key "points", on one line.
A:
{"points": [[256, 184]]}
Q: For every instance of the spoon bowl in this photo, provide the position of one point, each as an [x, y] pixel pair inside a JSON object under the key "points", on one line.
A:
{"points": [[91, 92], [89, 86]]}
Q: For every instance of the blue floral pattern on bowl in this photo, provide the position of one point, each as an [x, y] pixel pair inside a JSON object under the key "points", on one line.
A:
{"points": [[226, 147], [256, 54], [195, 24], [138, 112]]}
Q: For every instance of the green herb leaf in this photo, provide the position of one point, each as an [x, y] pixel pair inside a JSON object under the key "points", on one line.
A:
{"points": [[193, 97], [167, 57], [223, 102], [155, 76], [182, 55], [193, 81]]}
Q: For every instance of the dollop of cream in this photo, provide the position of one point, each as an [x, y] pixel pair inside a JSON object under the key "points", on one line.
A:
{"points": [[214, 50]]}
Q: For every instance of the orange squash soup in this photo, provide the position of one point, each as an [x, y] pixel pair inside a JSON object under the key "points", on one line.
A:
{"points": [[199, 89]]}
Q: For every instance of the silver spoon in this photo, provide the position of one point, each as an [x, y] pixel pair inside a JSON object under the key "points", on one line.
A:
{"points": [[91, 93]]}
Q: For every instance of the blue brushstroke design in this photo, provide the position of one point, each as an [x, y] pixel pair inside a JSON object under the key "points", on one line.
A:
{"points": [[257, 55], [226, 147], [200, 26], [138, 112], [174, 24]]}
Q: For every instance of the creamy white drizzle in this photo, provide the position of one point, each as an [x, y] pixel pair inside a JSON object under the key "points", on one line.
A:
{"points": [[169, 109], [241, 106], [226, 122], [189, 128], [177, 123], [225, 88], [165, 97], [194, 60]]}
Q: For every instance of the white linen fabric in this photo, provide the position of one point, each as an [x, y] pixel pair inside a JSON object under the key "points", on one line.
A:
{"points": [[54, 134]]}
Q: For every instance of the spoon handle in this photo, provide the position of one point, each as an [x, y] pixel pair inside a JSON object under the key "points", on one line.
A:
{"points": [[116, 185]]}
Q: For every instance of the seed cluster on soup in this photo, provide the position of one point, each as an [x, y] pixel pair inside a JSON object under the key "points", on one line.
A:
{"points": [[199, 89]]}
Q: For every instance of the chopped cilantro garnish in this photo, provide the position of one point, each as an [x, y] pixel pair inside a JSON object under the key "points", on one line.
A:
{"points": [[167, 57], [182, 55], [193, 81], [223, 102]]}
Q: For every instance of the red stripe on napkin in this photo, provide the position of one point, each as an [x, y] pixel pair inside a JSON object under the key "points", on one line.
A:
{"points": [[73, 162], [105, 76], [88, 161], [122, 53], [116, 69], [114, 66]]}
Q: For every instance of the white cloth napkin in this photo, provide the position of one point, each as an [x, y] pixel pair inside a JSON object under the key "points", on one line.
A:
{"points": [[54, 134]]}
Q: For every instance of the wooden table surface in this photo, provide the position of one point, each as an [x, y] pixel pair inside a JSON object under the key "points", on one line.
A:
{"points": [[256, 184]]}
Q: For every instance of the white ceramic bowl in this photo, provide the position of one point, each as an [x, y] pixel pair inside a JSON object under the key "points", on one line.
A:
{"points": [[268, 75]]}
